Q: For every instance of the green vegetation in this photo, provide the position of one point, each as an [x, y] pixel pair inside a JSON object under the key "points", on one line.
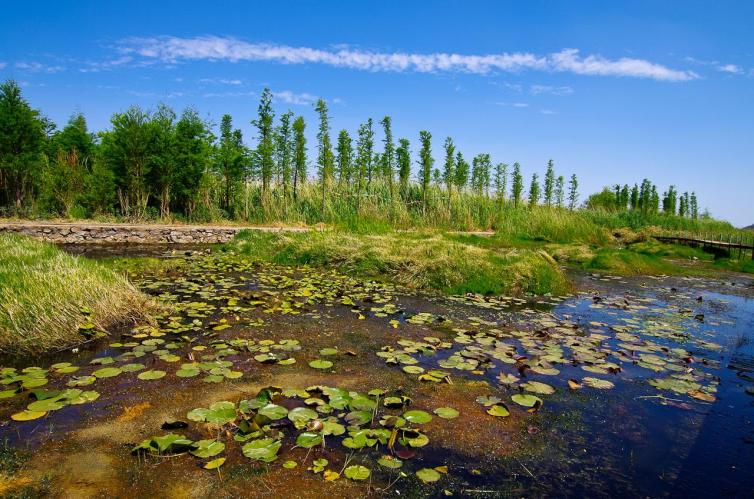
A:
{"points": [[52, 300], [161, 165], [419, 260]]}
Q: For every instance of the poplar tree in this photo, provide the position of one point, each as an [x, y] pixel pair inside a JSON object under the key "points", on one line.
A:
{"points": [[449, 167], [501, 181], [299, 153], [325, 154], [284, 151], [534, 190], [517, 184], [560, 191], [265, 139], [573, 192], [364, 146], [344, 158], [549, 183], [388, 153], [634, 200], [403, 157], [694, 206], [462, 172], [425, 165]]}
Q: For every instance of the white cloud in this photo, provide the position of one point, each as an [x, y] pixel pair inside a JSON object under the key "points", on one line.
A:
{"points": [[512, 104], [289, 97], [36, 67], [228, 94], [547, 89], [96, 67], [213, 48], [730, 68], [221, 81], [569, 60], [2, 65], [548, 111]]}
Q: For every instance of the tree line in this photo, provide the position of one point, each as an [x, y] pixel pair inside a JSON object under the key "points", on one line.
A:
{"points": [[645, 198], [164, 164]]}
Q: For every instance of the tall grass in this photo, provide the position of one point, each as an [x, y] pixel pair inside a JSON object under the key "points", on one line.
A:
{"points": [[46, 295], [422, 260]]}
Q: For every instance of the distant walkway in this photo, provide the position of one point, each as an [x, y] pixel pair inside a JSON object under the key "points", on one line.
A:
{"points": [[104, 233], [710, 244]]}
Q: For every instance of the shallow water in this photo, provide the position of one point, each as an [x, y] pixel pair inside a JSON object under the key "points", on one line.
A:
{"points": [[629, 439]]}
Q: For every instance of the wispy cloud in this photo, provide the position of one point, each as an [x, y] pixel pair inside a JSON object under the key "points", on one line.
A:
{"points": [[730, 68], [547, 111], [289, 97], [717, 65], [96, 67], [171, 49], [547, 89], [2, 65], [37, 67], [212, 95], [221, 81], [512, 104]]}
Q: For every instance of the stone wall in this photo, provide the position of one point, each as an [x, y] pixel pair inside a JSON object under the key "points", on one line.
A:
{"points": [[121, 233]]}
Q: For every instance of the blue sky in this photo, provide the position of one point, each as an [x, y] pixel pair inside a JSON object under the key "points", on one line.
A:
{"points": [[613, 91]]}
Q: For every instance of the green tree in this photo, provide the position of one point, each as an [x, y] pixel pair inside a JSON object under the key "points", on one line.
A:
{"points": [[387, 160], [462, 172], [127, 149], [634, 197], [534, 190], [560, 191], [299, 153], [162, 174], [573, 192], [22, 139], [325, 159], [364, 158], [517, 185], [265, 139], [66, 167], [480, 173], [694, 206], [501, 181], [193, 158], [549, 183], [425, 166], [449, 167], [403, 158], [284, 152], [229, 160], [344, 157]]}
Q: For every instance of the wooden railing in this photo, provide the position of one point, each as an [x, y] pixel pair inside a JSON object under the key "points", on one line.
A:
{"points": [[709, 242]]}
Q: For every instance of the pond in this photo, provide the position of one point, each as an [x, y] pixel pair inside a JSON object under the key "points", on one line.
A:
{"points": [[264, 380]]}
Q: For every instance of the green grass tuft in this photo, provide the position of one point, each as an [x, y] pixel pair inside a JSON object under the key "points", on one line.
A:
{"points": [[45, 295]]}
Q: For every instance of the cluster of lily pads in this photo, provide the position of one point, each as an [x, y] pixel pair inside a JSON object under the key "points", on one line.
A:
{"points": [[641, 334], [311, 418]]}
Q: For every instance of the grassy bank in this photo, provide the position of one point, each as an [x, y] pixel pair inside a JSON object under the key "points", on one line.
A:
{"points": [[51, 300], [433, 261]]}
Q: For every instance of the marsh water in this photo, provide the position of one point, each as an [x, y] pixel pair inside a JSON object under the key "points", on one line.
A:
{"points": [[626, 387]]}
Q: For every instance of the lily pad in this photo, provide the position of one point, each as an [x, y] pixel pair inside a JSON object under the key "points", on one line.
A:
{"points": [[27, 415], [428, 475], [263, 449], [207, 448], [357, 472], [499, 411], [526, 400], [446, 412], [320, 364], [417, 416], [151, 375]]}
